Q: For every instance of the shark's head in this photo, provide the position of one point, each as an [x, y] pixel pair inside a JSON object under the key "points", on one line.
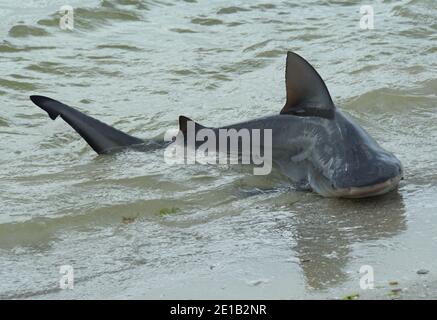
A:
{"points": [[344, 160], [349, 163]]}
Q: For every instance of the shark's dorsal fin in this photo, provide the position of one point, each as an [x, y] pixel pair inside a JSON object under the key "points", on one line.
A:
{"points": [[183, 124], [307, 94]]}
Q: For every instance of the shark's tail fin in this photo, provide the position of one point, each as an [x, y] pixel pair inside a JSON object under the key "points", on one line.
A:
{"points": [[100, 136]]}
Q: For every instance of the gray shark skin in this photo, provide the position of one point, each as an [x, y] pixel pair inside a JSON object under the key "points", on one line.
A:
{"points": [[333, 157], [313, 142]]}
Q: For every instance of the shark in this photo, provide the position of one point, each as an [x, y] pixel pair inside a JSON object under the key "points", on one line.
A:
{"points": [[314, 143]]}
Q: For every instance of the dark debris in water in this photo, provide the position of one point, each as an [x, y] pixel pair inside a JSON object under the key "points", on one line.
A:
{"points": [[422, 271], [127, 220]]}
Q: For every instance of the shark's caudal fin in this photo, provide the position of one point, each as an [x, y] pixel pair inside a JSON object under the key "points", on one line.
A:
{"points": [[100, 136], [307, 94]]}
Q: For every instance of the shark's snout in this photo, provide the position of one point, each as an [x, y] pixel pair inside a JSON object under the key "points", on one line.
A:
{"points": [[385, 179], [366, 182]]}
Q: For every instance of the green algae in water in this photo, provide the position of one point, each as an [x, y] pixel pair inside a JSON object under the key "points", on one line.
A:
{"points": [[353, 296], [166, 211]]}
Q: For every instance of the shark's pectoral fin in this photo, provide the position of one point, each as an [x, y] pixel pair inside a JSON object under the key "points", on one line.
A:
{"points": [[307, 94], [100, 136]]}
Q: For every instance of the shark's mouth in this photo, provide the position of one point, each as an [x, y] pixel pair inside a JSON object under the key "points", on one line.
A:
{"points": [[368, 191], [320, 184]]}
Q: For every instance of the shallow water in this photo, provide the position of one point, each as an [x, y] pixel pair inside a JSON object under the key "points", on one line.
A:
{"points": [[134, 227]]}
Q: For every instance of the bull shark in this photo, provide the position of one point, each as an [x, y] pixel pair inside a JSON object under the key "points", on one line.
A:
{"points": [[314, 143]]}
